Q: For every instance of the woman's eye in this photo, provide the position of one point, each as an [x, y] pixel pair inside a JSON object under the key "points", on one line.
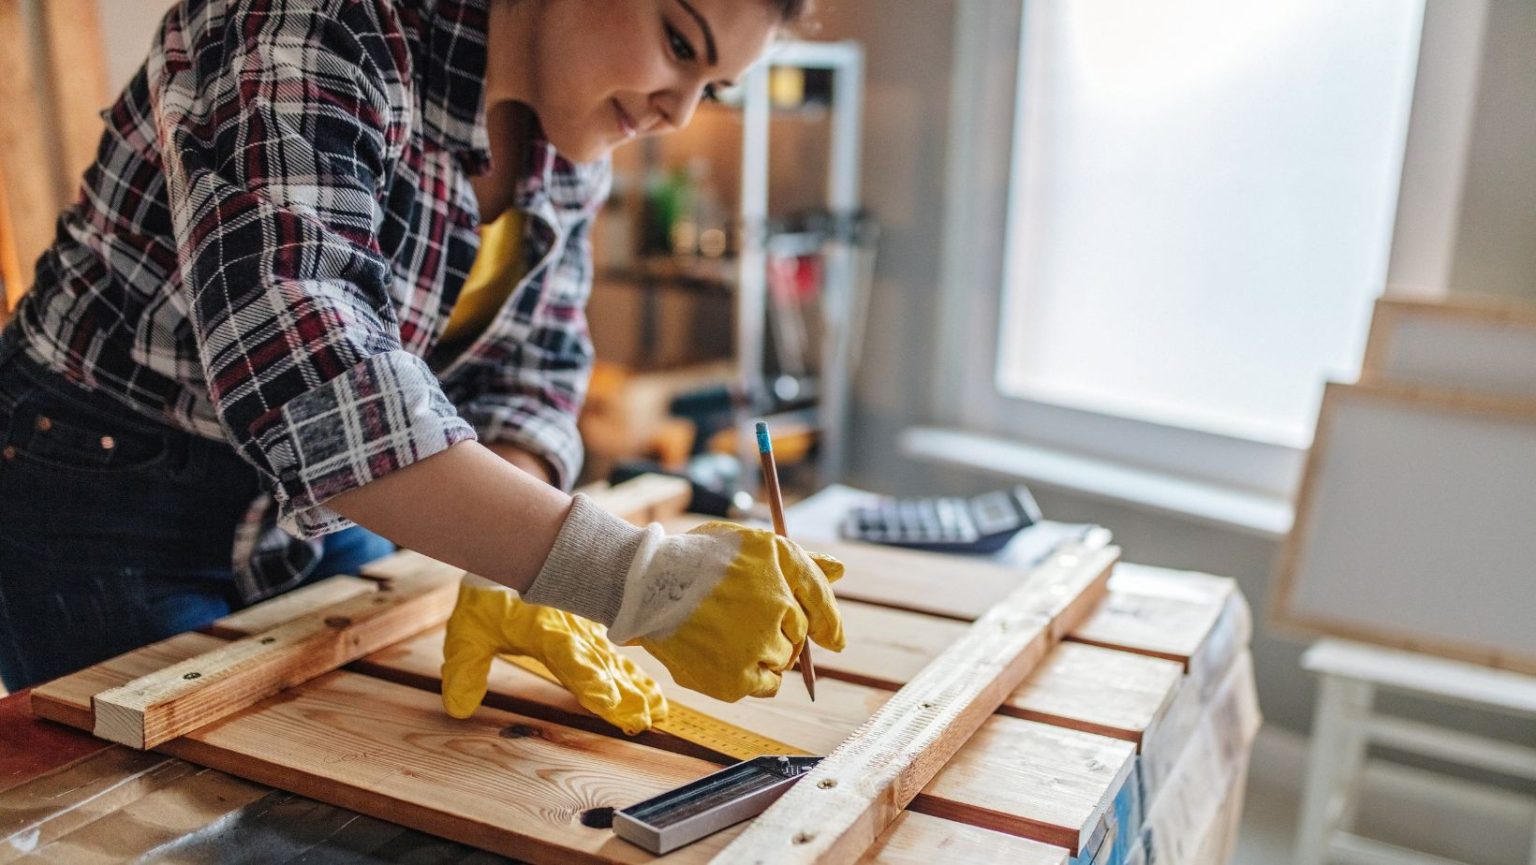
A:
{"points": [[680, 46]]}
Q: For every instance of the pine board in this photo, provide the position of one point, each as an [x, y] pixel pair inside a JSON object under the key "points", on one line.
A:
{"points": [[1110, 692], [845, 803], [289, 606], [1063, 779], [918, 839], [498, 781], [185, 696]]}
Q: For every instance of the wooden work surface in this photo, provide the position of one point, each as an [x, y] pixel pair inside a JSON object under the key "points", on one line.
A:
{"points": [[1134, 729]]}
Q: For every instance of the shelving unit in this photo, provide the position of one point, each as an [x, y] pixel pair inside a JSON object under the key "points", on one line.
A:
{"points": [[829, 416], [701, 305]]}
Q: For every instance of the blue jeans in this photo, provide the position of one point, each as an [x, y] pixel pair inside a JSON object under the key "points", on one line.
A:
{"points": [[115, 531]]}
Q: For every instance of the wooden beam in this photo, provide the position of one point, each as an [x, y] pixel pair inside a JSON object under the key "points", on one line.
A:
{"points": [[1025, 761], [849, 800], [1064, 778], [918, 839], [289, 606], [507, 783], [201, 690]]}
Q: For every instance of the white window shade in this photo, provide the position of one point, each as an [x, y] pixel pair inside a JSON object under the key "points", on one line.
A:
{"points": [[1202, 204]]}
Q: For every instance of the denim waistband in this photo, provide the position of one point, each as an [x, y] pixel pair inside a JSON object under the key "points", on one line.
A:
{"points": [[198, 452]]}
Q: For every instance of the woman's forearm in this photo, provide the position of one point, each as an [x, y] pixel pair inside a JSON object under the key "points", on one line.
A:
{"points": [[465, 506]]}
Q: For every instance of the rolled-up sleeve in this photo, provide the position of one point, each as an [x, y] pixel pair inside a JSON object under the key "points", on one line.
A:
{"points": [[276, 147], [532, 395]]}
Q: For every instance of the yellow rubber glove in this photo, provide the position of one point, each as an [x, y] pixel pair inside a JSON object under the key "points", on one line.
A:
{"points": [[490, 619], [728, 608]]}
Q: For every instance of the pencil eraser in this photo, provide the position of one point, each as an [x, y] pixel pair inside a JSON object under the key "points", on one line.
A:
{"points": [[764, 444]]}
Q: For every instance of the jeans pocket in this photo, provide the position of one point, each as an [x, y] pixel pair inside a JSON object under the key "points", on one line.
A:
{"points": [[66, 436]]}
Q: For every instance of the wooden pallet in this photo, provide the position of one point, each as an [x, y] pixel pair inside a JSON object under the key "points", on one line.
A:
{"points": [[1054, 776]]}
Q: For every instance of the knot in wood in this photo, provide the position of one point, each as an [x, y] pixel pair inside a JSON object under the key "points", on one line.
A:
{"points": [[597, 818], [521, 731], [337, 622]]}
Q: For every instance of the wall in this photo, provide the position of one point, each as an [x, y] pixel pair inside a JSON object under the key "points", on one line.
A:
{"points": [[911, 61], [1467, 215], [129, 27]]}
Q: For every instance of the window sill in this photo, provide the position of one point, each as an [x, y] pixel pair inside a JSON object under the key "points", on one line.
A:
{"points": [[1252, 513]]}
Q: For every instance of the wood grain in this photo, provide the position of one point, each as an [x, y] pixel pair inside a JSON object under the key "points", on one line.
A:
{"points": [[499, 781], [289, 606], [185, 696], [67, 699], [1112, 693], [849, 800], [918, 839], [1064, 776], [1160, 627]]}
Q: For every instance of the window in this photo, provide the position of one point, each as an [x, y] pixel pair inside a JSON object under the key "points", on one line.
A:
{"points": [[1202, 202]]}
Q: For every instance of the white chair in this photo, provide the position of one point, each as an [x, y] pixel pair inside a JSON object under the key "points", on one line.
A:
{"points": [[1346, 725]]}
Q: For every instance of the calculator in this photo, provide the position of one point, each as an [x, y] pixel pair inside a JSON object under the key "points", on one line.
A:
{"points": [[983, 524]]}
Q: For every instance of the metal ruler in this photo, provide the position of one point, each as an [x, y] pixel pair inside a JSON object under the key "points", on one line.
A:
{"points": [[694, 726]]}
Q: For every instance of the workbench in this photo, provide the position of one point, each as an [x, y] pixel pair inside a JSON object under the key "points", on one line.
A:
{"points": [[1127, 743]]}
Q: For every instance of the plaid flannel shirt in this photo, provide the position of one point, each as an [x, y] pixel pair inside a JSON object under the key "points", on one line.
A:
{"points": [[275, 229]]}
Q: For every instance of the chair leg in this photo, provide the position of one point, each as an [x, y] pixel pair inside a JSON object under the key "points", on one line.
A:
{"points": [[1358, 699], [1325, 778]]}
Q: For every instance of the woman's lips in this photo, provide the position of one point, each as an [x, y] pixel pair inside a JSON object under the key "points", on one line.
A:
{"points": [[626, 123]]}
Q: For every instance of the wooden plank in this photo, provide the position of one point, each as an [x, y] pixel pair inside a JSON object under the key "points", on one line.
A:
{"points": [[847, 802], [821, 726], [198, 691], [918, 839], [289, 606], [1065, 776], [67, 699], [498, 781], [1112, 693], [1159, 627], [77, 82], [840, 709], [1109, 692]]}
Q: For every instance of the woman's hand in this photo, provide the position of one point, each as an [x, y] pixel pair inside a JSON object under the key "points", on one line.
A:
{"points": [[728, 608], [491, 620]]}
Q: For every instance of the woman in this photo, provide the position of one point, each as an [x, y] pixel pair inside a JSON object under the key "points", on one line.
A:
{"points": [[240, 326]]}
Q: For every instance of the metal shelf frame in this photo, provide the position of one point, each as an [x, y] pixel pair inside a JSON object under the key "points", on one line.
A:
{"points": [[845, 60]]}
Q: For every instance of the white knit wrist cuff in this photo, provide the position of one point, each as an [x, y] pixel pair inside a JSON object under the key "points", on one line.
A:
{"points": [[586, 569]]}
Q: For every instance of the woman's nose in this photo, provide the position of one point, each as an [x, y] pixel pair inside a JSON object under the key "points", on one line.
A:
{"points": [[677, 105]]}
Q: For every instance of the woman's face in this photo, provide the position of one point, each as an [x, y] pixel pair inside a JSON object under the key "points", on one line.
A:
{"points": [[602, 72]]}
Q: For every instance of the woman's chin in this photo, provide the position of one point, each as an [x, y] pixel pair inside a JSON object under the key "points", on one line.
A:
{"points": [[583, 148]]}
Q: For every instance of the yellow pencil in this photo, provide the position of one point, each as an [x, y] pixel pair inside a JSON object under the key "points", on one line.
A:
{"points": [[776, 507]]}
